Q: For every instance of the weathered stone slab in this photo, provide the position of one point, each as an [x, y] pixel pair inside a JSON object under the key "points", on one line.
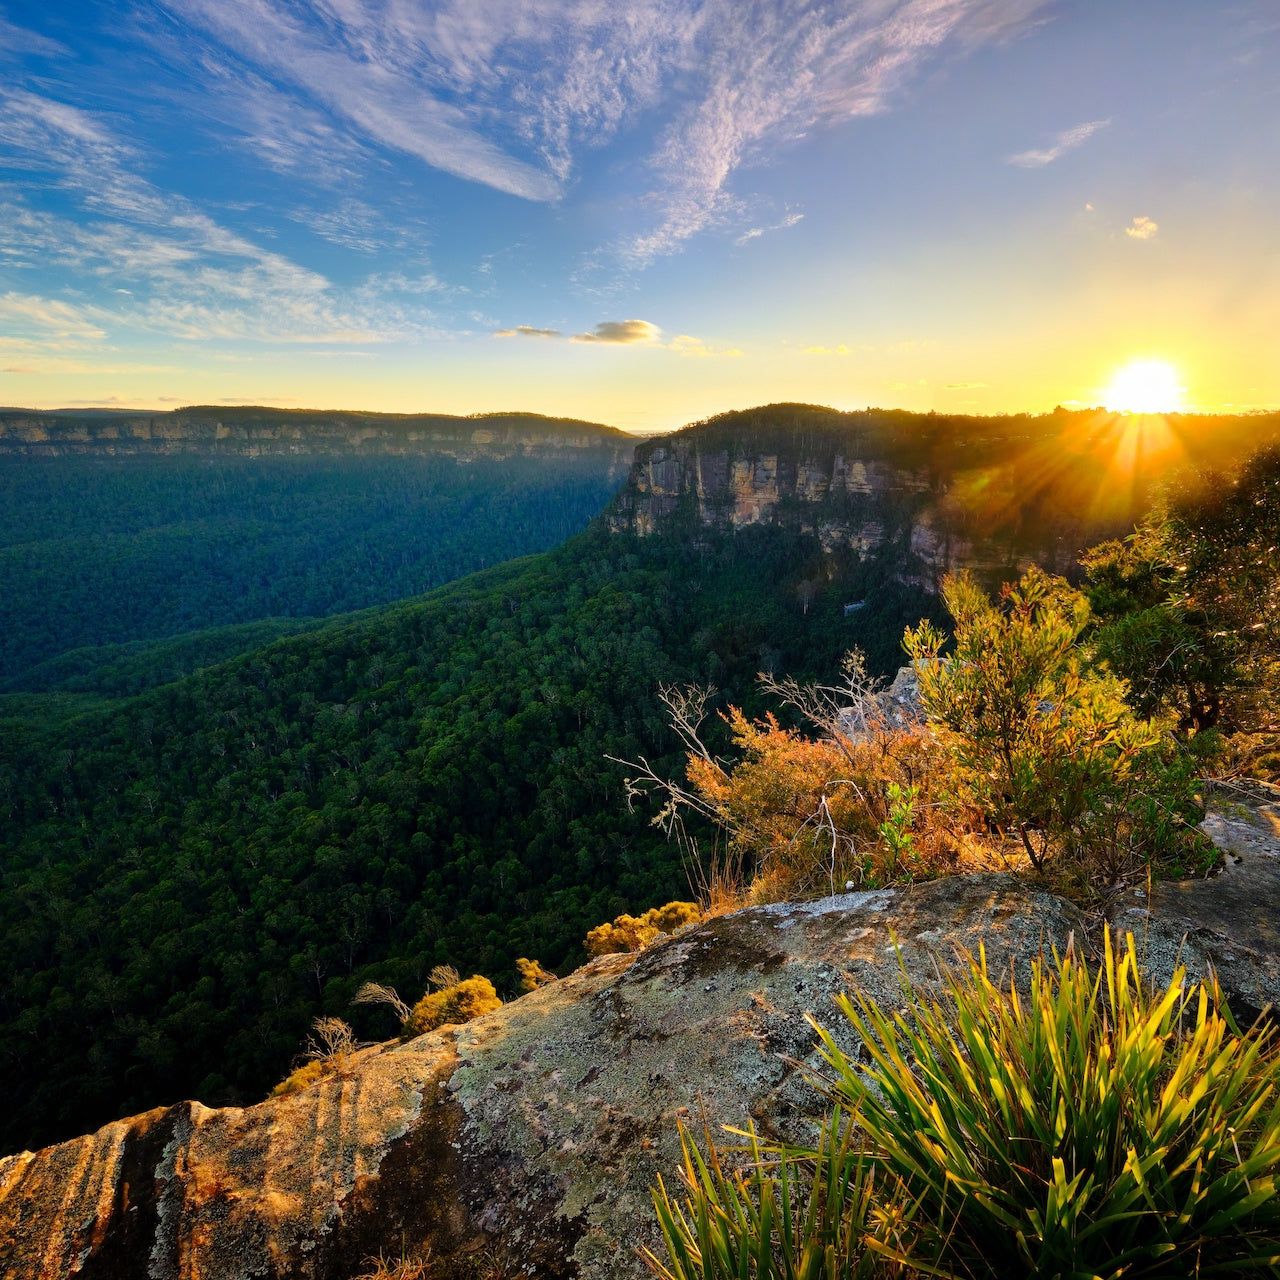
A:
{"points": [[534, 1133]]}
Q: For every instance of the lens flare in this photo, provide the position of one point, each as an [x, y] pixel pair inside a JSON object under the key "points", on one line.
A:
{"points": [[1145, 386]]}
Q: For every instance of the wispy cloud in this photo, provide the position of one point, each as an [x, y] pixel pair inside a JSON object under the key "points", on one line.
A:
{"points": [[360, 67], [686, 344], [527, 331], [515, 93], [792, 67], [1142, 228], [187, 275], [53, 318], [621, 332], [17, 41], [1063, 142], [754, 233]]}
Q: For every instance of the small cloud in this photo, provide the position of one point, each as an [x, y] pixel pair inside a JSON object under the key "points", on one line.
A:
{"points": [[789, 221], [962, 386], [1088, 208], [1063, 142], [621, 332], [841, 350], [686, 344], [1142, 228], [527, 331], [255, 400]]}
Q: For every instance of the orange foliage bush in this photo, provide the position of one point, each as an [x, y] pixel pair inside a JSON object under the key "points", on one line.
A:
{"points": [[810, 814], [532, 974]]}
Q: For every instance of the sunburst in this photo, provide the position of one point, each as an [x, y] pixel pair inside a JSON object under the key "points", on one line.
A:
{"points": [[1145, 386]]}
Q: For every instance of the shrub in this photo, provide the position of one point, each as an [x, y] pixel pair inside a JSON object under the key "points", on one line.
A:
{"points": [[459, 1002], [301, 1077], [805, 815], [1094, 1128], [810, 814], [791, 1219], [532, 974], [1041, 744], [332, 1042], [634, 933]]}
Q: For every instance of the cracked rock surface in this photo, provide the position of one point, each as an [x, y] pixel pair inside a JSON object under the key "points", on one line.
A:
{"points": [[531, 1137], [533, 1133], [1228, 924]]}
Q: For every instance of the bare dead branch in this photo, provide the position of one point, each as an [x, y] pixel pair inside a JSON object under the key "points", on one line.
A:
{"points": [[686, 710], [376, 993]]}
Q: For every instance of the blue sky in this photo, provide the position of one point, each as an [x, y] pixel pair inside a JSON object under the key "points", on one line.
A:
{"points": [[640, 213]]}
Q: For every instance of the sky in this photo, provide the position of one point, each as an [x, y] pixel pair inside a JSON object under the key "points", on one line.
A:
{"points": [[639, 212]]}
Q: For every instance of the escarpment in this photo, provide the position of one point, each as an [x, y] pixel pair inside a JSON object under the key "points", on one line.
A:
{"points": [[922, 494], [529, 1139], [262, 432]]}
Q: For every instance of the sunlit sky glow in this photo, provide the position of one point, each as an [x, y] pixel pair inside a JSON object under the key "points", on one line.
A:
{"points": [[640, 213], [1145, 386]]}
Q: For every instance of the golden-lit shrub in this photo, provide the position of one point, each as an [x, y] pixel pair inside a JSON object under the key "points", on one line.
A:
{"points": [[305, 1075], [634, 933], [532, 974], [812, 815], [673, 916], [457, 1003], [626, 933]]}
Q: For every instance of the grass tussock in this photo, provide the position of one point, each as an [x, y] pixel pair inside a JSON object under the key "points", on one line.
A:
{"points": [[1090, 1128]]}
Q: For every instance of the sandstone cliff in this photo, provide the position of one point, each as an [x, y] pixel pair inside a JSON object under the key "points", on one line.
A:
{"points": [[529, 1138], [927, 494], [270, 432]]}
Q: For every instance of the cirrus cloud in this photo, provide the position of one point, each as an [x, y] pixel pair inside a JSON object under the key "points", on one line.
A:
{"points": [[1063, 142], [515, 94]]}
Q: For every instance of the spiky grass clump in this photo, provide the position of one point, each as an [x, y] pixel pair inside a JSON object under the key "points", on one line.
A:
{"points": [[792, 1218], [1094, 1128]]}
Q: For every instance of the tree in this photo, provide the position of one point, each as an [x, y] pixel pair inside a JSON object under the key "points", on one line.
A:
{"points": [[1189, 605], [1040, 743]]}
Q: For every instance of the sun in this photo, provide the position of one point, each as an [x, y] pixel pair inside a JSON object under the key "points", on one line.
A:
{"points": [[1145, 386]]}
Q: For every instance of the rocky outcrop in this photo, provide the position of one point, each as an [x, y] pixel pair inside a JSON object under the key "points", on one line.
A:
{"points": [[528, 1139], [270, 432], [1227, 924], [851, 489], [532, 1133]]}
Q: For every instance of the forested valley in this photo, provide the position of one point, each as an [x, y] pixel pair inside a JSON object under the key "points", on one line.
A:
{"points": [[194, 869], [191, 875], [100, 556]]}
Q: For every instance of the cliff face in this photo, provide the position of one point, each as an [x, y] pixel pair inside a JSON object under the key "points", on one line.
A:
{"points": [[267, 432], [927, 493], [847, 494]]}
